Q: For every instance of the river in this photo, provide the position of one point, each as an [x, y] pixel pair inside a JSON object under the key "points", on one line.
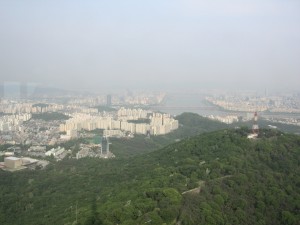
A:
{"points": [[177, 103]]}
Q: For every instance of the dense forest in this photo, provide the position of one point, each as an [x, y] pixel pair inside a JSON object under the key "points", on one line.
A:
{"points": [[218, 177]]}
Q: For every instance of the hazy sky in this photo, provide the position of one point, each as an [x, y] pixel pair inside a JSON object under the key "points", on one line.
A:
{"points": [[151, 44]]}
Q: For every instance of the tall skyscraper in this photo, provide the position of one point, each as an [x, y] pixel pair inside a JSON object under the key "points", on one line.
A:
{"points": [[108, 100]]}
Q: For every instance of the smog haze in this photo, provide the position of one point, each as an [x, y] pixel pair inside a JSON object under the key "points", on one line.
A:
{"points": [[92, 45]]}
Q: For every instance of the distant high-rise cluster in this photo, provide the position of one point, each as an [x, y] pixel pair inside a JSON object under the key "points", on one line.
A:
{"points": [[8, 106], [228, 119], [13, 122], [155, 123], [132, 114]]}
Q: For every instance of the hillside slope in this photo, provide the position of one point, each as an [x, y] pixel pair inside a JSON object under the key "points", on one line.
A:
{"points": [[214, 178], [190, 124]]}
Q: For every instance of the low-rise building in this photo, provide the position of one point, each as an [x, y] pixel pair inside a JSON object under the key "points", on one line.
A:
{"points": [[12, 162], [113, 133], [37, 149], [55, 151]]}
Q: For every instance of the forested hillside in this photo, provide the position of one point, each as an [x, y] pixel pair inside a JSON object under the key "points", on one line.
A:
{"points": [[214, 178], [191, 124]]}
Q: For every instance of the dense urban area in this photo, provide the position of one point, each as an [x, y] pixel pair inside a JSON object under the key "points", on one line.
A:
{"points": [[38, 129], [282, 108]]}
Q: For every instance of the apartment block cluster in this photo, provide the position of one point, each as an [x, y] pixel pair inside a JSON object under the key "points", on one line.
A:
{"points": [[239, 104], [229, 119], [13, 122], [127, 98], [12, 107], [159, 123], [142, 98], [252, 103]]}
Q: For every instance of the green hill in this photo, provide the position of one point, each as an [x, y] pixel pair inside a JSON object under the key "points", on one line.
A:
{"points": [[190, 124], [289, 128], [213, 178]]}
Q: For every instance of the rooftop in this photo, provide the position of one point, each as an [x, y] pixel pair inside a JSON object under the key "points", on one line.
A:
{"points": [[12, 158]]}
